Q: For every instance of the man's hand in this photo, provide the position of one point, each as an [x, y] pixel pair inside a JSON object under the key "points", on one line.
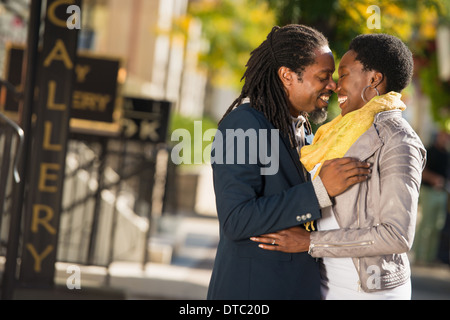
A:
{"points": [[291, 240], [338, 175]]}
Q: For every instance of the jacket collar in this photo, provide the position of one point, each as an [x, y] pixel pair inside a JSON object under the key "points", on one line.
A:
{"points": [[370, 141], [382, 116], [366, 145]]}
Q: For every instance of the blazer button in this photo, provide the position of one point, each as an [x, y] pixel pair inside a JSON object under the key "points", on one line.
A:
{"points": [[309, 216], [299, 218]]}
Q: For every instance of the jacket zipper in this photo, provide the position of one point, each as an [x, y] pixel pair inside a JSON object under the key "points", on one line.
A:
{"points": [[348, 244], [358, 267], [359, 280]]}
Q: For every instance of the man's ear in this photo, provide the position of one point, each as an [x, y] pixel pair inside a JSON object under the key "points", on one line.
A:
{"points": [[285, 75]]}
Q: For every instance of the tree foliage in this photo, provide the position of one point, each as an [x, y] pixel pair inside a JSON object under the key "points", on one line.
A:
{"points": [[341, 20], [413, 21], [234, 28]]}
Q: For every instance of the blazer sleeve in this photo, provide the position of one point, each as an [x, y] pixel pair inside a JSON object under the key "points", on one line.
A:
{"points": [[242, 208]]}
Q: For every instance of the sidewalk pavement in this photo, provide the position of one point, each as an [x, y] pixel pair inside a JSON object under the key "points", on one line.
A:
{"points": [[431, 282], [187, 276]]}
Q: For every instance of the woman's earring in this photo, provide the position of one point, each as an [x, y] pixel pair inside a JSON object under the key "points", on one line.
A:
{"points": [[363, 93]]}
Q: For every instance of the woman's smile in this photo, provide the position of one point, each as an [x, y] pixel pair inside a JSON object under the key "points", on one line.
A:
{"points": [[342, 100]]}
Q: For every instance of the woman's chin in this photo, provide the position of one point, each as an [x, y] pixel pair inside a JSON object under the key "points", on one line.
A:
{"points": [[346, 108], [343, 107]]}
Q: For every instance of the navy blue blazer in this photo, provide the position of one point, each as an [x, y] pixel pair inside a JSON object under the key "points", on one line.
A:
{"points": [[251, 204]]}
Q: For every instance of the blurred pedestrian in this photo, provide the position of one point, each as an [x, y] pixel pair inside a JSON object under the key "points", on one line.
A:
{"points": [[433, 200], [363, 239], [288, 79]]}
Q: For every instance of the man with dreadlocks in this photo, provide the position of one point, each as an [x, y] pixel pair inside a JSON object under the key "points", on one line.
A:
{"points": [[287, 82]]}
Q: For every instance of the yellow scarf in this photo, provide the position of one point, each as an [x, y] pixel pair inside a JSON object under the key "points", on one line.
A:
{"points": [[332, 140]]}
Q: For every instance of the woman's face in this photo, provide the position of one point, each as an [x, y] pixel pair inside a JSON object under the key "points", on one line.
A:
{"points": [[352, 81]]}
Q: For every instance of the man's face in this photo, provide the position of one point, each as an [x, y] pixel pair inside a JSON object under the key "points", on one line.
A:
{"points": [[312, 92]]}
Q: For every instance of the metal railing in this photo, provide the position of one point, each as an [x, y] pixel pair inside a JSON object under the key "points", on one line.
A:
{"points": [[11, 146], [109, 200], [108, 204]]}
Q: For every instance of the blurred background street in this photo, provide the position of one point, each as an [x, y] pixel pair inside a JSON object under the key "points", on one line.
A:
{"points": [[107, 113]]}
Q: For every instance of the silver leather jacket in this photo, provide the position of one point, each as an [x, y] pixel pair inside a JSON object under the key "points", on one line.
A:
{"points": [[377, 218]]}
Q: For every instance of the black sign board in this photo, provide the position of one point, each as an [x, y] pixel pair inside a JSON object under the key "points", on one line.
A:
{"points": [[48, 154], [146, 119], [94, 95], [95, 87]]}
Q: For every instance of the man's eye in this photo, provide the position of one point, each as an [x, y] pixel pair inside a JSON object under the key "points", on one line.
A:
{"points": [[342, 76]]}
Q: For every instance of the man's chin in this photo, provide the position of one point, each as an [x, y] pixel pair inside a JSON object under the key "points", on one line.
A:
{"points": [[319, 115]]}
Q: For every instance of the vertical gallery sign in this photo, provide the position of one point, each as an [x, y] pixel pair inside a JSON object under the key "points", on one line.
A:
{"points": [[50, 133]]}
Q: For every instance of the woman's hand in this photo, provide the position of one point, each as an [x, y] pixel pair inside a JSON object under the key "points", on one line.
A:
{"points": [[292, 240]]}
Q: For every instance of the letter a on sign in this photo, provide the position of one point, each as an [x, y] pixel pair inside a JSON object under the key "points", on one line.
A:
{"points": [[59, 52]]}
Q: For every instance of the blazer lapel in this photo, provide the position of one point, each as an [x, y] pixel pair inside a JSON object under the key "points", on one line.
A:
{"points": [[292, 151], [294, 156]]}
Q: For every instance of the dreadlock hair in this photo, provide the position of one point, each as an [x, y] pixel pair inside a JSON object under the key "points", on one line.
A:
{"points": [[291, 46]]}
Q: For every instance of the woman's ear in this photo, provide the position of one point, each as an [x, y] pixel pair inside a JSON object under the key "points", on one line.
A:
{"points": [[378, 81], [285, 75]]}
